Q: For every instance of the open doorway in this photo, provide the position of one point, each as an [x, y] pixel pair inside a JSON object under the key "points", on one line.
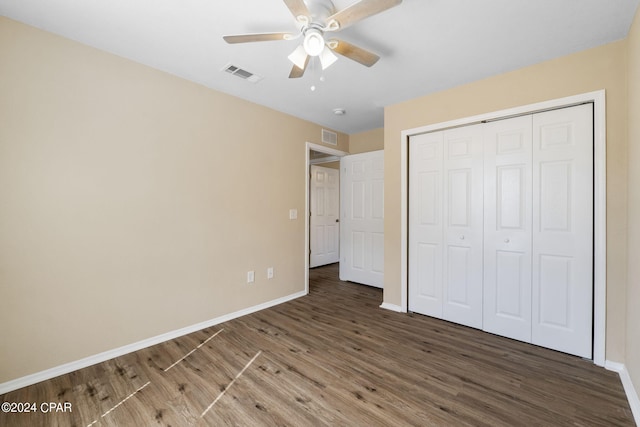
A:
{"points": [[323, 161]]}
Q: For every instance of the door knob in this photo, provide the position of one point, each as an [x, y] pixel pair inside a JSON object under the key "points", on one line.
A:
{"points": [[337, 220], [506, 240], [462, 237]]}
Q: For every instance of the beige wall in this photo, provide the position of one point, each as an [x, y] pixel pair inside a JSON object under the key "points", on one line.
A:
{"points": [[133, 203], [600, 68], [364, 142], [633, 288]]}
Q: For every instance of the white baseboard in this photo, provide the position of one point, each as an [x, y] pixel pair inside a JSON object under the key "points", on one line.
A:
{"points": [[629, 389], [120, 351], [392, 307]]}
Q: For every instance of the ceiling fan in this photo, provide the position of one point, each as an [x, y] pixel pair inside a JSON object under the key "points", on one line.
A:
{"points": [[315, 18]]}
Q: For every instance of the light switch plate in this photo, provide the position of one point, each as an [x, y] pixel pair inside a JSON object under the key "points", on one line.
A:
{"points": [[293, 213]]}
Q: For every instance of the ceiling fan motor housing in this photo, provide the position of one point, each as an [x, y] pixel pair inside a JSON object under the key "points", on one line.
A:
{"points": [[320, 10]]}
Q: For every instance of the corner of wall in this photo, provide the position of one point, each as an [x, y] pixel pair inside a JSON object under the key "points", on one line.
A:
{"points": [[627, 384]]}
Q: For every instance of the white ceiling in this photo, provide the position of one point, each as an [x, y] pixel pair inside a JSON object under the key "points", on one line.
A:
{"points": [[425, 45]]}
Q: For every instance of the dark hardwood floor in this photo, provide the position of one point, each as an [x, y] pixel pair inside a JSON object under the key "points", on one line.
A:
{"points": [[333, 358]]}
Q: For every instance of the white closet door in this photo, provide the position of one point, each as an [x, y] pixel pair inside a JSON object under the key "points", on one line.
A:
{"points": [[425, 216], [563, 229], [463, 216], [507, 229], [362, 230], [325, 212]]}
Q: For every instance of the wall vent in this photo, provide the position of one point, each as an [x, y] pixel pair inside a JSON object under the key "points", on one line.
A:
{"points": [[242, 73], [329, 137]]}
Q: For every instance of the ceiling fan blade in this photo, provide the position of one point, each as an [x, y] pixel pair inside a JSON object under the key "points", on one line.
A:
{"points": [[353, 52], [359, 11], [298, 8], [297, 72], [247, 38]]}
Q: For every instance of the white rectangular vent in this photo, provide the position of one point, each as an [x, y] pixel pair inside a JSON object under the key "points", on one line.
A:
{"points": [[243, 74], [329, 137]]}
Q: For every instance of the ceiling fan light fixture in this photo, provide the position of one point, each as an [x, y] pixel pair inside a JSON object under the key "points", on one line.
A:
{"points": [[313, 42], [327, 58], [299, 57]]}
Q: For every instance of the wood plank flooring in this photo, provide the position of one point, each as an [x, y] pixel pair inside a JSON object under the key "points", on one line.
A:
{"points": [[333, 358]]}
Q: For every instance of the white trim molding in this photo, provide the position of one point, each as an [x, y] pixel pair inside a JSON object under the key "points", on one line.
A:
{"points": [[629, 389], [392, 307], [600, 198], [120, 351]]}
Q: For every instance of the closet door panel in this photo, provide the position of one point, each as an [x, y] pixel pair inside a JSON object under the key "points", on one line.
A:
{"points": [[563, 230], [425, 224], [463, 219], [507, 227]]}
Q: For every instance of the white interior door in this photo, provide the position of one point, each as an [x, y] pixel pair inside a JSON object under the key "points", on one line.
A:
{"points": [[324, 226], [507, 227], [362, 230], [426, 225], [463, 227], [501, 227], [563, 229]]}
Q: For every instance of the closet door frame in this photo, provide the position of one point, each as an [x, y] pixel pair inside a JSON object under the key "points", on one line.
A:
{"points": [[599, 200]]}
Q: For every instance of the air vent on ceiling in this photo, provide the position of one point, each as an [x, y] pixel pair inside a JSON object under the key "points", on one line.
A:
{"points": [[329, 137], [243, 74]]}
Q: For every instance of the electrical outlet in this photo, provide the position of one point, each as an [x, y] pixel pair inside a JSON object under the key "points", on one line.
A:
{"points": [[270, 273], [251, 276]]}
